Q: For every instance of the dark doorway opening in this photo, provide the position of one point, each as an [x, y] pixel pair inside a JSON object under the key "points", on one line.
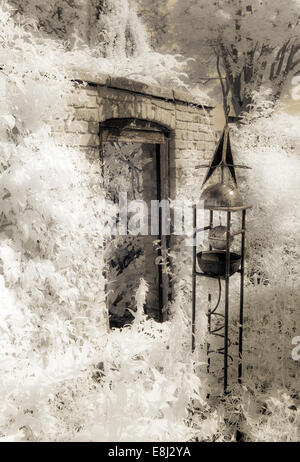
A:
{"points": [[135, 160]]}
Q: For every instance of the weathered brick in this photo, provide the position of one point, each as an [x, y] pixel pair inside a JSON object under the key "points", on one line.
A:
{"points": [[57, 126], [86, 114], [110, 93], [181, 145], [182, 154], [80, 98], [181, 135], [185, 116], [198, 118], [76, 126], [165, 105], [92, 91], [184, 164], [101, 113], [115, 112], [198, 136], [168, 119], [93, 127]]}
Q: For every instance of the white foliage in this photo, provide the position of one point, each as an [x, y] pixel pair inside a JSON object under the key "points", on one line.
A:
{"points": [[53, 318], [97, 37], [140, 298]]}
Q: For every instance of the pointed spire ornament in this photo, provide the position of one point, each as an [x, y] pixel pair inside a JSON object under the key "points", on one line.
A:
{"points": [[222, 158], [220, 194]]}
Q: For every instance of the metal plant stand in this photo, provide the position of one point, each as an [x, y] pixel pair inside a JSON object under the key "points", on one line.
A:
{"points": [[223, 330], [221, 264]]}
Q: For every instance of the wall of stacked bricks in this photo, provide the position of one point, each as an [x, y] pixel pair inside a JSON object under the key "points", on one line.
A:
{"points": [[192, 140]]}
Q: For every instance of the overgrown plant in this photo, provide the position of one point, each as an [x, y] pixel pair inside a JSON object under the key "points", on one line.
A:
{"points": [[53, 312], [63, 377]]}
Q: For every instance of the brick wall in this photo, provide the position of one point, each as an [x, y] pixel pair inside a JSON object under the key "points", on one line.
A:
{"points": [[192, 139]]}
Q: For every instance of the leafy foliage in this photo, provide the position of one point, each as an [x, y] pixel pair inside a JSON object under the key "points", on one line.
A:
{"points": [[255, 43], [53, 317], [269, 146], [100, 36], [63, 377]]}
